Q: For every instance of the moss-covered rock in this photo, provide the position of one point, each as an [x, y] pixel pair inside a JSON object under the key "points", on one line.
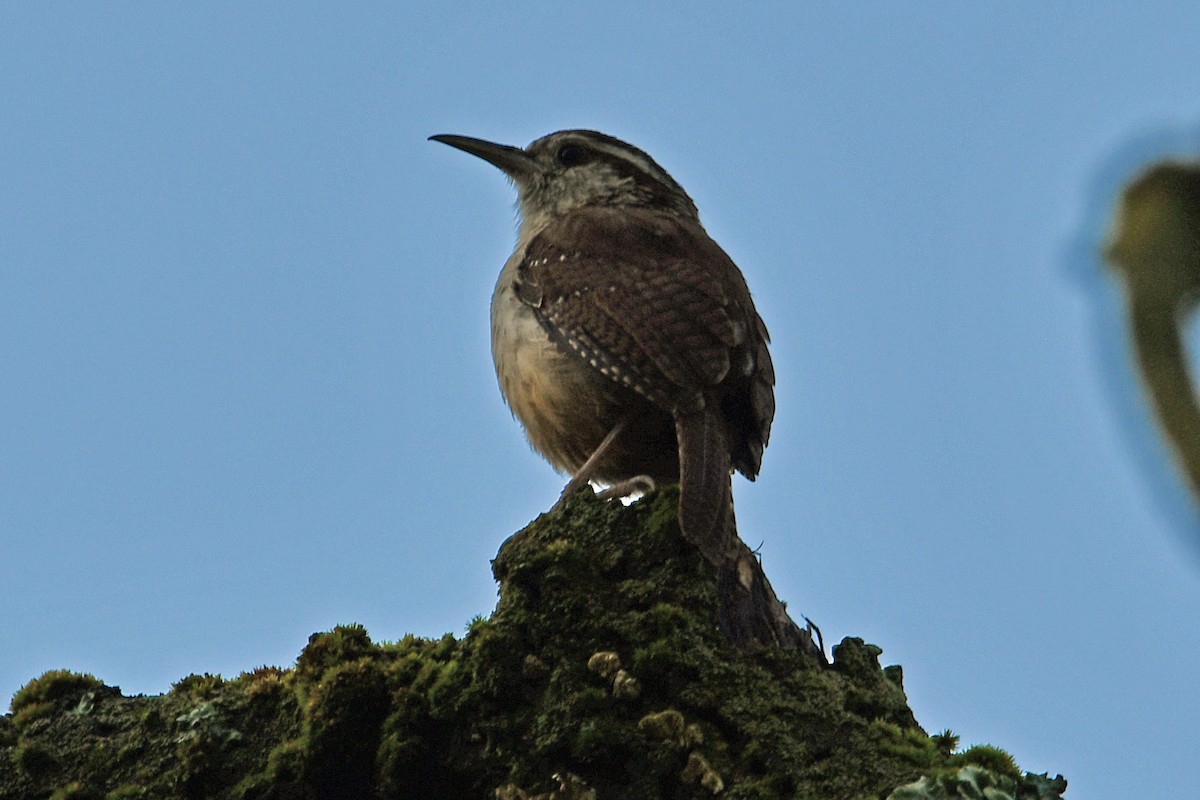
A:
{"points": [[601, 674]]}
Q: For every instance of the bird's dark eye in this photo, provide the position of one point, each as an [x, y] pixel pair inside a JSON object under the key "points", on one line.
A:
{"points": [[570, 155]]}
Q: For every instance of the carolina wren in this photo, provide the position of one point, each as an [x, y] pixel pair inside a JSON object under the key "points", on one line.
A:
{"points": [[625, 339]]}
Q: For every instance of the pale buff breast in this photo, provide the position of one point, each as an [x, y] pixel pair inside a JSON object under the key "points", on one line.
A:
{"points": [[557, 402]]}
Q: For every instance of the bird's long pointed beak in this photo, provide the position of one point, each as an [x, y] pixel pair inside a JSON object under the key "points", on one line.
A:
{"points": [[514, 161]]}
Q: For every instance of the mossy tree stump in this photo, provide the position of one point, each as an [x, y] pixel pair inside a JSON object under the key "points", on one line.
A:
{"points": [[601, 674]]}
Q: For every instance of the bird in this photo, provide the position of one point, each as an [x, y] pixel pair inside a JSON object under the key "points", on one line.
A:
{"points": [[625, 339]]}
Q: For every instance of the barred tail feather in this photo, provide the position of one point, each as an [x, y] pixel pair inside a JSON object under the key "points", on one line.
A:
{"points": [[705, 490]]}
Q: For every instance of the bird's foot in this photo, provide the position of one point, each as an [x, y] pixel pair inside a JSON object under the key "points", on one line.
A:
{"points": [[637, 485], [633, 487]]}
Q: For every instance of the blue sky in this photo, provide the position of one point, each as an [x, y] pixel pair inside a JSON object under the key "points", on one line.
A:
{"points": [[247, 391]]}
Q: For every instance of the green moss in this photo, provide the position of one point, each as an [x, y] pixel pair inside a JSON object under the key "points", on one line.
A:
{"points": [[601, 673], [946, 741], [872, 693], [76, 791], [1041, 787], [264, 682], [697, 770], [31, 712], [286, 762], [404, 747], [127, 791], [34, 758], [55, 686], [968, 782], [203, 735], [199, 686], [771, 714], [129, 751], [662, 726], [908, 744], [100, 761], [344, 714], [152, 719], [326, 650], [281, 780], [990, 758], [982, 771], [205, 721]]}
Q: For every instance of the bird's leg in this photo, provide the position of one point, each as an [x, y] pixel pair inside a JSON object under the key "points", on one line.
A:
{"points": [[585, 473]]}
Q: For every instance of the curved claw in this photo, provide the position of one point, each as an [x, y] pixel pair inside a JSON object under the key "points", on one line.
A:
{"points": [[638, 484]]}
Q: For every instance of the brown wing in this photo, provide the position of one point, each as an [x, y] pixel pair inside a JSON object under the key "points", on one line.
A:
{"points": [[651, 301]]}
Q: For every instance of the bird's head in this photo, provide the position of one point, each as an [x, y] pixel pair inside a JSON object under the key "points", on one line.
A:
{"points": [[570, 169]]}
